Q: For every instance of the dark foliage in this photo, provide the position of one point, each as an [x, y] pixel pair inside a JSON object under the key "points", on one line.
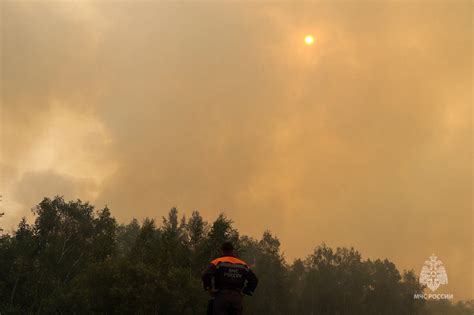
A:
{"points": [[77, 260]]}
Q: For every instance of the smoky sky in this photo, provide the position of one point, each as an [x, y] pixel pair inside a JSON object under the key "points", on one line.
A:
{"points": [[363, 139]]}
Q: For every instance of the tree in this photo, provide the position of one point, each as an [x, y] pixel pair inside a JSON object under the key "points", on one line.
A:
{"points": [[1, 213], [126, 236], [221, 230], [267, 261], [75, 259]]}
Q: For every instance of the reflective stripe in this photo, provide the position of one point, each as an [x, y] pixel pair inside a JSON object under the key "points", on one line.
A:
{"points": [[228, 259], [231, 265]]}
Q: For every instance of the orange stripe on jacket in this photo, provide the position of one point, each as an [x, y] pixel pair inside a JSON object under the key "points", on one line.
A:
{"points": [[228, 259]]}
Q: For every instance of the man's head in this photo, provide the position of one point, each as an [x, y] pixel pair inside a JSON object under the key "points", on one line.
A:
{"points": [[227, 248]]}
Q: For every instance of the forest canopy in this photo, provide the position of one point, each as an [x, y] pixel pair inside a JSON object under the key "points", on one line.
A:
{"points": [[75, 259]]}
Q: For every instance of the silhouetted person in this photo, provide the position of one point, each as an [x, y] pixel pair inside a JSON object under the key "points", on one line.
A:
{"points": [[227, 279]]}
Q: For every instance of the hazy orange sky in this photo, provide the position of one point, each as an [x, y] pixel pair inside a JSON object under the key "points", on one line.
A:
{"points": [[362, 139]]}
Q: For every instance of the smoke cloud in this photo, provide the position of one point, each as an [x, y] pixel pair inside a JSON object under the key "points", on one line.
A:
{"points": [[363, 139]]}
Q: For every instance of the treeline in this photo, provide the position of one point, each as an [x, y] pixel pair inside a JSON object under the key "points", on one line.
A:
{"points": [[76, 260]]}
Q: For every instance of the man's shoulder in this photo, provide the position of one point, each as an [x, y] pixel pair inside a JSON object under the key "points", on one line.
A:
{"points": [[229, 259]]}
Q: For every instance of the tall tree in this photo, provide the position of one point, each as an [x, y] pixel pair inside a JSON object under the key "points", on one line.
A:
{"points": [[268, 262]]}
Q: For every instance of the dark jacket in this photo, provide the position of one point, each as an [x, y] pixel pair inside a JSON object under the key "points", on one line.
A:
{"points": [[229, 273]]}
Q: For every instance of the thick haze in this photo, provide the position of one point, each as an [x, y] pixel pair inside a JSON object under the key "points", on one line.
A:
{"points": [[363, 139]]}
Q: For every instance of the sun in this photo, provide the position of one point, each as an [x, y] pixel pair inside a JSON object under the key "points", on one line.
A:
{"points": [[309, 40]]}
